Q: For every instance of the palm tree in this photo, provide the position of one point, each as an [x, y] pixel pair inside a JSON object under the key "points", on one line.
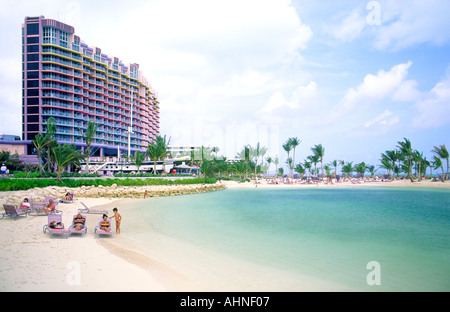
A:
{"points": [[294, 142], [49, 133], [307, 165], [276, 162], [269, 161], [66, 155], [207, 168], [215, 150], [220, 166], [371, 169], [163, 151], [418, 158], [88, 136], [139, 159], [437, 163], [313, 159], [256, 153], [319, 151], [442, 152], [40, 142], [153, 154], [299, 168], [290, 162], [348, 169], [406, 150], [287, 146], [335, 164], [361, 168], [239, 167], [425, 165], [386, 164], [393, 156]]}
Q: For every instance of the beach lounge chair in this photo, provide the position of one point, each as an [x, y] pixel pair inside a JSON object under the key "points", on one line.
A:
{"points": [[86, 209], [57, 219], [99, 231], [11, 211], [43, 203], [67, 201], [37, 209], [72, 229]]}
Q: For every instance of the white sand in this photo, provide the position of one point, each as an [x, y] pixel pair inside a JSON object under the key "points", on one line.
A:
{"points": [[31, 261]]}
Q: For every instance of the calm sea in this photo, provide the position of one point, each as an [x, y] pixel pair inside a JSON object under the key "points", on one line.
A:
{"points": [[331, 234]]}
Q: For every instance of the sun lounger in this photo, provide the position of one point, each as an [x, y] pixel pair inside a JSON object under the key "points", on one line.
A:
{"points": [[67, 201], [11, 211], [73, 230], [86, 209], [99, 231], [55, 218], [43, 203], [37, 210]]}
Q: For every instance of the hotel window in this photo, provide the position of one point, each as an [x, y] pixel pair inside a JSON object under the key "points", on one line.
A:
{"points": [[76, 46], [63, 39], [32, 29], [49, 35]]}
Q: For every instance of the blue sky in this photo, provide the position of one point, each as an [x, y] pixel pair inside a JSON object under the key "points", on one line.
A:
{"points": [[356, 76]]}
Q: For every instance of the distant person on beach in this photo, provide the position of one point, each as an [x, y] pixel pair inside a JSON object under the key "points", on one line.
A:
{"points": [[50, 206], [105, 225], [68, 196], [79, 222], [56, 225], [118, 218], [25, 204]]}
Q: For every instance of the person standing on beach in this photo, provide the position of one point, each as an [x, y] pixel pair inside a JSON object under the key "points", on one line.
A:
{"points": [[118, 218]]}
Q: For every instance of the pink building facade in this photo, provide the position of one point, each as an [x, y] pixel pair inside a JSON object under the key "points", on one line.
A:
{"points": [[74, 83]]}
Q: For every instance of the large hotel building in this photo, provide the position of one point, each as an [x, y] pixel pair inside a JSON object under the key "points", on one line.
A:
{"points": [[74, 83]]}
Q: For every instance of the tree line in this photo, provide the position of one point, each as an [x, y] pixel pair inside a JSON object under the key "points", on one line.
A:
{"points": [[250, 161], [402, 161]]}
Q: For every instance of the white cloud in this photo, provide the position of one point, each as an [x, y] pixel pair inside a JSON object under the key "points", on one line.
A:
{"points": [[405, 24], [301, 99], [375, 88], [350, 28], [434, 110], [399, 24], [385, 119], [381, 124]]}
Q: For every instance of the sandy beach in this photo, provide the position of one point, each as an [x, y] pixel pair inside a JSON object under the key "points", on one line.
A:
{"points": [[31, 261]]}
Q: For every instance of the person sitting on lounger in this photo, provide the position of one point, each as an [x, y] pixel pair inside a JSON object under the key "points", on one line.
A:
{"points": [[25, 204], [68, 196], [50, 207], [79, 222], [105, 225], [56, 225]]}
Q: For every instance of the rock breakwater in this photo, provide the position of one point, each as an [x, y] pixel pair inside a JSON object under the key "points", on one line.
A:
{"points": [[113, 191]]}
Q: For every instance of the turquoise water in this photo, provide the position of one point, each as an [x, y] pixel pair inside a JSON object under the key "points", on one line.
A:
{"points": [[331, 234]]}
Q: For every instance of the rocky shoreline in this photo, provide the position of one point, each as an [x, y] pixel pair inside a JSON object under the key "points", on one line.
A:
{"points": [[113, 191]]}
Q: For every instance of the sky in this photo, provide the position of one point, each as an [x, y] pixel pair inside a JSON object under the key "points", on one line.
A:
{"points": [[355, 76]]}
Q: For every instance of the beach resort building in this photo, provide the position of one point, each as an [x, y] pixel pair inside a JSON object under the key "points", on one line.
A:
{"points": [[75, 83]]}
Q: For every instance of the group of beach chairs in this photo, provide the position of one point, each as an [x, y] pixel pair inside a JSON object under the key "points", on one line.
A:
{"points": [[55, 225], [54, 220]]}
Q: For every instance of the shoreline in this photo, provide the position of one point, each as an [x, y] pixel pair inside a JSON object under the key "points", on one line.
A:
{"points": [[31, 261]]}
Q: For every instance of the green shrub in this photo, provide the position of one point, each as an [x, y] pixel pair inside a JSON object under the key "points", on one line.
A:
{"points": [[26, 184]]}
